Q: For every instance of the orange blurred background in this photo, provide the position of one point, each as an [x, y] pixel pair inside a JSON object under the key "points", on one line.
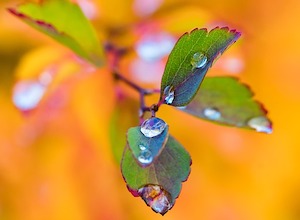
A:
{"points": [[56, 160]]}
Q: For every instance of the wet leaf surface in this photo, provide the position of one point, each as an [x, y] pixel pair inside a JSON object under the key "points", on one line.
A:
{"points": [[227, 101], [189, 61], [165, 175], [69, 26]]}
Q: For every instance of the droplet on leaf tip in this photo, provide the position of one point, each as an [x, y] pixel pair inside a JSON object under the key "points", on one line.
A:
{"points": [[199, 60], [153, 127], [261, 124], [156, 197], [169, 94], [212, 113]]}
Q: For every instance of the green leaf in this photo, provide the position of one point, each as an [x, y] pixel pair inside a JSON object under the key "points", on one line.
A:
{"points": [[189, 61], [227, 101], [122, 118], [167, 173], [65, 22], [139, 144]]}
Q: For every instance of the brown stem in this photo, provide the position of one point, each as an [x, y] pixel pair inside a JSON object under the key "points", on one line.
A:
{"points": [[116, 55]]}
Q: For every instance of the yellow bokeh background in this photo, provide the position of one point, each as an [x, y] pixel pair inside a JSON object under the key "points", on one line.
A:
{"points": [[56, 161]]}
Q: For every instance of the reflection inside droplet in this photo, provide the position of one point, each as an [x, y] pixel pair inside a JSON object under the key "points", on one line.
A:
{"points": [[156, 197], [169, 94], [153, 127], [212, 113], [261, 124], [27, 94], [199, 60], [145, 157]]}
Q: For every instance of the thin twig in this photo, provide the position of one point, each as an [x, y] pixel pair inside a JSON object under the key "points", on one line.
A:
{"points": [[116, 55]]}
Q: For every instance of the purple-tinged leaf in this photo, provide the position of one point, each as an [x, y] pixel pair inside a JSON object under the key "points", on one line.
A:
{"points": [[190, 59], [64, 22], [226, 101], [158, 184]]}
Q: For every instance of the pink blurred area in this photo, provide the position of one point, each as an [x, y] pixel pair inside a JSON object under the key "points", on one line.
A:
{"points": [[56, 160]]}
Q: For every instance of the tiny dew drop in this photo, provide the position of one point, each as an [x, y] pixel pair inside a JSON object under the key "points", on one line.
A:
{"points": [[212, 113], [261, 124], [145, 157], [199, 60], [142, 147], [182, 107], [156, 197], [153, 127], [169, 94]]}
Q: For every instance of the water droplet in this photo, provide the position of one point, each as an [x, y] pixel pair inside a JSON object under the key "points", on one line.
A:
{"points": [[212, 113], [27, 94], [145, 157], [182, 107], [261, 124], [142, 147], [156, 197], [169, 94], [153, 127], [162, 203], [198, 60]]}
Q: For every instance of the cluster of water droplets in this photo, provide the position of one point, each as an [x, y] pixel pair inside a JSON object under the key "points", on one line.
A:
{"points": [[169, 94], [199, 60], [145, 156], [150, 128], [212, 113], [261, 124], [153, 127], [156, 197]]}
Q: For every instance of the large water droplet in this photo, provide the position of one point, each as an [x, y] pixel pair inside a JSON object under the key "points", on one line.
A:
{"points": [[27, 94], [153, 127], [212, 113], [169, 94], [198, 60], [261, 124], [145, 157], [156, 197]]}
